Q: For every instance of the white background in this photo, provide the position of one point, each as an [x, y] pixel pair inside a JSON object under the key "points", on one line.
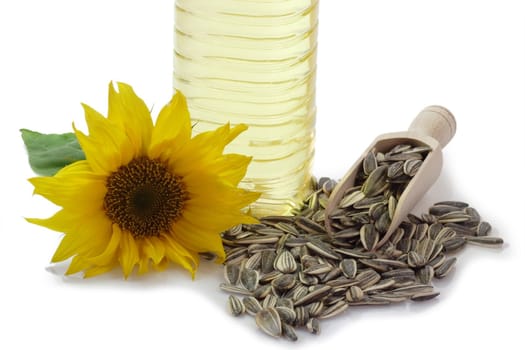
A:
{"points": [[379, 63]]}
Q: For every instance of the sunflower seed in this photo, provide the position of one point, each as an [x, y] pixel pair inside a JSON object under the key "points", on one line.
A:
{"points": [[376, 181], [309, 226], [368, 202], [485, 241], [367, 278], [268, 321], [351, 199], [285, 262], [421, 231], [314, 295], [332, 274], [313, 326], [232, 273], [308, 280], [400, 275], [376, 211], [411, 166], [284, 301], [412, 289], [392, 204], [454, 216], [235, 305], [253, 262], [251, 304], [483, 228], [445, 234], [297, 292], [402, 157], [445, 268], [453, 244], [328, 186], [257, 239], [456, 204], [289, 332], [275, 219], [473, 213], [348, 267], [437, 261], [369, 163], [354, 253], [384, 298], [235, 253], [262, 291], [395, 170], [267, 260], [318, 269], [380, 286], [424, 296], [315, 309], [383, 223], [369, 236], [270, 276], [442, 209], [401, 148], [284, 282], [286, 314], [230, 288], [418, 149], [270, 301], [425, 274], [323, 250], [354, 293], [249, 279], [334, 310]]}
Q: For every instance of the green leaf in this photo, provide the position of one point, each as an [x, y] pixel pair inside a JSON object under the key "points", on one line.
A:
{"points": [[48, 153]]}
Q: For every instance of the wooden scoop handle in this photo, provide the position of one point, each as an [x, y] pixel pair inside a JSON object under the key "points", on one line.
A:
{"points": [[436, 122]]}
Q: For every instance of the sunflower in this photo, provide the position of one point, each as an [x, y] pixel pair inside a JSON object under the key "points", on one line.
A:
{"points": [[146, 194]]}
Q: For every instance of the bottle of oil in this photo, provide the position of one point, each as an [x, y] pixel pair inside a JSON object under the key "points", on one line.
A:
{"points": [[254, 62]]}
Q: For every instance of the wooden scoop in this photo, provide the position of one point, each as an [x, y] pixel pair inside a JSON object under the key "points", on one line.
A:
{"points": [[434, 126]]}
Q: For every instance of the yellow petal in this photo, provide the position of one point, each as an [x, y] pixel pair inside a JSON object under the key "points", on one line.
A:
{"points": [[77, 264], [207, 190], [153, 248], [162, 265], [83, 193], [90, 237], [132, 114], [232, 168], [129, 253], [197, 240], [236, 131], [61, 221], [70, 184], [180, 255], [102, 160], [143, 265], [69, 246], [202, 150], [172, 128], [98, 270], [108, 255]]}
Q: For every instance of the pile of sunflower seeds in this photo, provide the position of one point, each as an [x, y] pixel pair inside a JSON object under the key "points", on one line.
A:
{"points": [[289, 273]]}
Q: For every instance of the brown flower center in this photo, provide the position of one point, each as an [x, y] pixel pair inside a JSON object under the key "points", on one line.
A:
{"points": [[144, 197]]}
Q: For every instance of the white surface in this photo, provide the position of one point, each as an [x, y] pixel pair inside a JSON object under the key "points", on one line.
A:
{"points": [[380, 62]]}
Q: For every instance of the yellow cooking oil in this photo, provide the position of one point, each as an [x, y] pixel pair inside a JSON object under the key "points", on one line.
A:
{"points": [[254, 62]]}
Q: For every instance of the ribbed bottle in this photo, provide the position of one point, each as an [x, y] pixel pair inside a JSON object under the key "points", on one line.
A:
{"points": [[254, 62]]}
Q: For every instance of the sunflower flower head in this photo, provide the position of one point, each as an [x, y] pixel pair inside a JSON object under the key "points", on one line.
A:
{"points": [[147, 193]]}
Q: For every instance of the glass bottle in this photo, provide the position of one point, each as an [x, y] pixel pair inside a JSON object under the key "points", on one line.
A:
{"points": [[254, 62]]}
